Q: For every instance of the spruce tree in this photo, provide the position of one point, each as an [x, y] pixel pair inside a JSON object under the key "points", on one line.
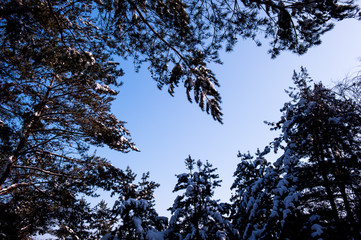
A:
{"points": [[252, 199], [195, 215], [137, 218]]}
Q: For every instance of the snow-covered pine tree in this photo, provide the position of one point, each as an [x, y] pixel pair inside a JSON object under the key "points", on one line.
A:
{"points": [[313, 190], [289, 217], [320, 134], [267, 203], [137, 218], [252, 199], [195, 215], [264, 200]]}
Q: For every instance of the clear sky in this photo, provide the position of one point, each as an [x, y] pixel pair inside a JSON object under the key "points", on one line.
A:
{"points": [[167, 129]]}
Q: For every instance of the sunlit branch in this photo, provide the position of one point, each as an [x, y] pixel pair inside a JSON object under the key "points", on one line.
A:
{"points": [[12, 187]]}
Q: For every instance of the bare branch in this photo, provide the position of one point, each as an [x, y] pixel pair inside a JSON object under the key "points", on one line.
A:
{"points": [[39, 169], [12, 187]]}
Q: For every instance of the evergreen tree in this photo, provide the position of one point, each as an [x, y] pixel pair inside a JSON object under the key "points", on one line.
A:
{"points": [[103, 220], [137, 218], [195, 215], [322, 129], [313, 190], [252, 200], [59, 78], [266, 200]]}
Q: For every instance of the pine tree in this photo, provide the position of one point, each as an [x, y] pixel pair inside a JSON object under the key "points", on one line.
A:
{"points": [[47, 203], [323, 130], [103, 221], [59, 78], [75, 221], [313, 190], [252, 200], [137, 218], [265, 202], [195, 215]]}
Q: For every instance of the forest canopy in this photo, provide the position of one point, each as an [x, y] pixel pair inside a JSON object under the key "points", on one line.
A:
{"points": [[59, 79]]}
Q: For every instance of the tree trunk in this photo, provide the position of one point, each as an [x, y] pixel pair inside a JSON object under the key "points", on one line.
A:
{"points": [[27, 128], [319, 156], [5, 171]]}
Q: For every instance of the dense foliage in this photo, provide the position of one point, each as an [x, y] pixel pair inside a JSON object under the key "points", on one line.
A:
{"points": [[313, 190], [59, 78]]}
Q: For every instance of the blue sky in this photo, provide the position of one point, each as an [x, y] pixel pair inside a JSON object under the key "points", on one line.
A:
{"points": [[167, 129]]}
